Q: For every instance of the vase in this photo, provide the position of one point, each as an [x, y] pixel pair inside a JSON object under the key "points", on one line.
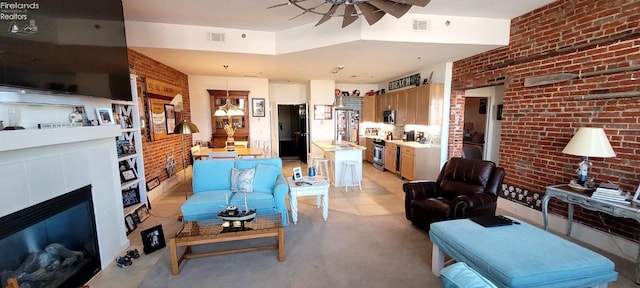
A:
{"points": [[230, 144]]}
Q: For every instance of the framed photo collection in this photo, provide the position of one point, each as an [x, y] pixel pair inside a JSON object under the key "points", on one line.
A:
{"points": [[130, 197], [127, 175], [105, 116]]}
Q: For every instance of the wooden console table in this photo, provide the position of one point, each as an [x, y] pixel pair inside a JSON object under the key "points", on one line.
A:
{"points": [[572, 196]]}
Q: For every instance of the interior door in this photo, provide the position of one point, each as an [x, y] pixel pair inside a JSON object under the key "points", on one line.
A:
{"points": [[302, 143]]}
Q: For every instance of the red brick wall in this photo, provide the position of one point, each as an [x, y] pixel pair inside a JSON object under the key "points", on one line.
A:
{"points": [[156, 152], [567, 36]]}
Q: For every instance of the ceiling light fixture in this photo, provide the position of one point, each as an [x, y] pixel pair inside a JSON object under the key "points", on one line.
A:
{"points": [[228, 109], [372, 10]]}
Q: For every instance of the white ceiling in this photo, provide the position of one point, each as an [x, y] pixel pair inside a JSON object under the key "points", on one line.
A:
{"points": [[372, 62]]}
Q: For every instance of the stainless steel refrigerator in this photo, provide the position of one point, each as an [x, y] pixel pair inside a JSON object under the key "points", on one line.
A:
{"points": [[347, 125]]}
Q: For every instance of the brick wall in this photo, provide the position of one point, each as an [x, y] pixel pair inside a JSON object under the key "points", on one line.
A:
{"points": [[156, 152], [567, 36]]}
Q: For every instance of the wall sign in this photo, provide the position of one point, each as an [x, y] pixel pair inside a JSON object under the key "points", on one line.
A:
{"points": [[405, 82]]}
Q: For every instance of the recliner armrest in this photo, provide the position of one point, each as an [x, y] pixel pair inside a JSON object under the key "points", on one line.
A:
{"points": [[421, 189], [466, 203]]}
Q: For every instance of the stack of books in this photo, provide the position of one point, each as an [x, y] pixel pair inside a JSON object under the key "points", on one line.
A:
{"points": [[611, 192]]}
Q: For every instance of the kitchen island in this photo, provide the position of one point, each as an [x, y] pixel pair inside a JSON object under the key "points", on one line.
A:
{"points": [[337, 152]]}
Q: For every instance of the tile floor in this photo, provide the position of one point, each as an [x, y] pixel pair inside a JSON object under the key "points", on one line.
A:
{"points": [[381, 194]]}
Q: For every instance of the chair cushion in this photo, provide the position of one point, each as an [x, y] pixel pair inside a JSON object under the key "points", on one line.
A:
{"points": [[265, 178], [460, 275], [242, 180]]}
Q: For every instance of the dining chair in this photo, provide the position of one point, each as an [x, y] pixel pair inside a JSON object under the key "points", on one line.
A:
{"points": [[244, 144], [194, 150]]}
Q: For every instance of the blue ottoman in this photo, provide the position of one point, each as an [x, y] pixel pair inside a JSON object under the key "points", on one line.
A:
{"points": [[519, 255]]}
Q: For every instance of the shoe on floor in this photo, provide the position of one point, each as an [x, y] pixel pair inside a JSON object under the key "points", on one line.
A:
{"points": [[124, 262], [133, 253]]}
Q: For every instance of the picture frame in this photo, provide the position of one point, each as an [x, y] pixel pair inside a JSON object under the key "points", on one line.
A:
{"points": [[322, 112], [482, 106], [297, 173], [152, 239], [125, 147], [258, 107], [128, 175], [130, 224], [130, 197], [636, 196], [105, 116], [142, 212], [170, 117], [153, 183]]}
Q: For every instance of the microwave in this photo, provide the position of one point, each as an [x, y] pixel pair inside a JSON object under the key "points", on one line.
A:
{"points": [[389, 117]]}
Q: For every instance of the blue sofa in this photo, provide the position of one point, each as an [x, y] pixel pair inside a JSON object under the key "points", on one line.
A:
{"points": [[212, 187]]}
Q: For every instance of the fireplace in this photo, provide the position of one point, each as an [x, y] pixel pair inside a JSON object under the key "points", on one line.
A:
{"points": [[51, 244]]}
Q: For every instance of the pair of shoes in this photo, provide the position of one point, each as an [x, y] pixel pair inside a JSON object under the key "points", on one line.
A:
{"points": [[133, 253], [124, 262]]}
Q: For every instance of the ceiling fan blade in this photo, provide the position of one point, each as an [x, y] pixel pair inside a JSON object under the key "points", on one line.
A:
{"points": [[328, 15], [394, 8], [370, 12], [420, 3], [286, 3], [350, 15]]}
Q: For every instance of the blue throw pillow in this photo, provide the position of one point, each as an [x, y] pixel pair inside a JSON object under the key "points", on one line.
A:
{"points": [[265, 178], [242, 180]]}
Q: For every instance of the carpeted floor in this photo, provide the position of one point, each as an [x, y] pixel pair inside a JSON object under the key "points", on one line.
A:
{"points": [[346, 251]]}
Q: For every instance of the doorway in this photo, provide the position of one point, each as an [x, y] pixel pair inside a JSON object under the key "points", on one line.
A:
{"points": [[292, 132], [482, 126]]}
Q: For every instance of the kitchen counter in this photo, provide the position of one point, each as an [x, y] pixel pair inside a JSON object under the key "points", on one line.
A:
{"points": [[412, 144], [338, 146], [337, 153]]}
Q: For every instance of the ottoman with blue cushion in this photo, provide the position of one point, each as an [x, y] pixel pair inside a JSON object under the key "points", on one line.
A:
{"points": [[519, 255]]}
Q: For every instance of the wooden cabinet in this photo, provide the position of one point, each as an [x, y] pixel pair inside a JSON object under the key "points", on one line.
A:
{"points": [[369, 112], [390, 156], [429, 104], [419, 163], [240, 122], [369, 152], [407, 160], [401, 107], [412, 110]]}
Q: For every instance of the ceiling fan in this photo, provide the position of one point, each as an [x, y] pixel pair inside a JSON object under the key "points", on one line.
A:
{"points": [[372, 10]]}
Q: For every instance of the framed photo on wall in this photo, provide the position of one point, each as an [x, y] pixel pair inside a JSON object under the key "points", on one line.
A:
{"points": [[257, 107], [322, 112], [170, 114]]}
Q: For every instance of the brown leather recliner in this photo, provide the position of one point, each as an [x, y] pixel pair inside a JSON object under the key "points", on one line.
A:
{"points": [[465, 188]]}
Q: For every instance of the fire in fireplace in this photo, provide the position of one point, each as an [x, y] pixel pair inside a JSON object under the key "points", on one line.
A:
{"points": [[51, 244]]}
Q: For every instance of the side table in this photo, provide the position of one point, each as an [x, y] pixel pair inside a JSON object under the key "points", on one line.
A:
{"points": [[573, 196], [320, 190]]}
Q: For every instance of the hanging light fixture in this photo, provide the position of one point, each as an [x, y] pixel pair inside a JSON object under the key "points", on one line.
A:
{"points": [[228, 109]]}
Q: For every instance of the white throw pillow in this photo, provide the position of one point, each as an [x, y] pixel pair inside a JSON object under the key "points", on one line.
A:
{"points": [[242, 180]]}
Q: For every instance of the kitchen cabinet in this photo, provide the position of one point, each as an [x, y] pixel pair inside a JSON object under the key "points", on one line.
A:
{"points": [[429, 104], [419, 163], [369, 112], [241, 122], [390, 157], [401, 107], [369, 152]]}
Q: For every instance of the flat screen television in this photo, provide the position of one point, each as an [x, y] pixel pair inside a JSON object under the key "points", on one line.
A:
{"points": [[65, 47]]}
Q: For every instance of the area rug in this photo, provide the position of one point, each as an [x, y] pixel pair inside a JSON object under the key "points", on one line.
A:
{"points": [[345, 251]]}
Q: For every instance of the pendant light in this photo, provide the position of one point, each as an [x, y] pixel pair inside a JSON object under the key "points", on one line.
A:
{"points": [[228, 109]]}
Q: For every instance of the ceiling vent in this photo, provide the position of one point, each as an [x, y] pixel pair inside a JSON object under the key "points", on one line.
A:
{"points": [[421, 25], [215, 37]]}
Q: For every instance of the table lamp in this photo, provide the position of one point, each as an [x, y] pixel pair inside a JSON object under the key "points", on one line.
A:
{"points": [[183, 128], [588, 142]]}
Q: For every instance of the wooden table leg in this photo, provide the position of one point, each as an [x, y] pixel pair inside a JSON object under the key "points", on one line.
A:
{"points": [[281, 244], [173, 249]]}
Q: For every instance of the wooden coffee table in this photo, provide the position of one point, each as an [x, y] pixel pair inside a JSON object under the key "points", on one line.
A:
{"points": [[211, 231]]}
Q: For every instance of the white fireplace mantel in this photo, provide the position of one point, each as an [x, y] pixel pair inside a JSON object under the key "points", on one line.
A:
{"points": [[30, 138]]}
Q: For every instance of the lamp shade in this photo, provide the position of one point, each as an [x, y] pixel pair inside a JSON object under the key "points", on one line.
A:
{"points": [[590, 142], [186, 128]]}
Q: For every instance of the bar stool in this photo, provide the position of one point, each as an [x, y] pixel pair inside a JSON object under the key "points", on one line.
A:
{"points": [[351, 166], [322, 167]]}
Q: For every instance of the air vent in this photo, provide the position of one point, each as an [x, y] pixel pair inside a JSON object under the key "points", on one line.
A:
{"points": [[215, 37], [421, 25]]}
